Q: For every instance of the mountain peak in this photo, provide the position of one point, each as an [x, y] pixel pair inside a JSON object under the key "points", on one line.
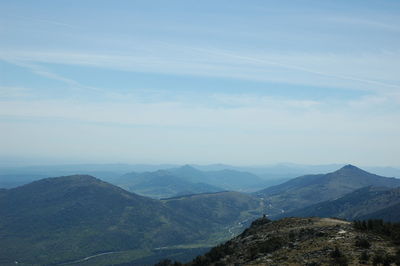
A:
{"points": [[350, 167], [78, 179], [187, 166], [187, 169], [351, 170]]}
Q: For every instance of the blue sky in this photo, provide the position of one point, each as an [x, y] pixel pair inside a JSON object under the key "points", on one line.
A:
{"points": [[239, 82]]}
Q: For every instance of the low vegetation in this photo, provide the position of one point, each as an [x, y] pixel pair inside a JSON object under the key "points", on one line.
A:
{"points": [[378, 226], [305, 241], [391, 231]]}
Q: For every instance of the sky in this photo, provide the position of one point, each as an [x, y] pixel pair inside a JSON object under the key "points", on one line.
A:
{"points": [[238, 82]]}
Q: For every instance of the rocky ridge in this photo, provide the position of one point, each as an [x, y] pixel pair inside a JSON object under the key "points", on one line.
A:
{"points": [[300, 241]]}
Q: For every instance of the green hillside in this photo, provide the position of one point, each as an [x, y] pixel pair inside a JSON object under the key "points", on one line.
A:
{"points": [[312, 189], [390, 214], [364, 203], [187, 180], [63, 219]]}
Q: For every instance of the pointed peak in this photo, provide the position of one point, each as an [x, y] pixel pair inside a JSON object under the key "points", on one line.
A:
{"points": [[188, 167], [350, 168]]}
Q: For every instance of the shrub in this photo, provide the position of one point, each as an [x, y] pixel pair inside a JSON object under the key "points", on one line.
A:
{"points": [[313, 264], [338, 257], [168, 262], [260, 221], [391, 230], [363, 243], [336, 253], [383, 259], [165, 262], [364, 257], [270, 245], [201, 260]]}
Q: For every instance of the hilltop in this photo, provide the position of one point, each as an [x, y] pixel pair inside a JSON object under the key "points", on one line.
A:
{"points": [[301, 241]]}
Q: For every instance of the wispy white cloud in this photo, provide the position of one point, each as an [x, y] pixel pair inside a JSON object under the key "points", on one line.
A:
{"points": [[379, 102], [366, 23], [248, 100], [42, 71], [329, 70], [15, 92], [220, 111], [284, 62], [30, 20], [45, 72]]}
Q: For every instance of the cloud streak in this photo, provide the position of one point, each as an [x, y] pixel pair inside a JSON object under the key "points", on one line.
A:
{"points": [[300, 68], [314, 69], [45, 72], [367, 23]]}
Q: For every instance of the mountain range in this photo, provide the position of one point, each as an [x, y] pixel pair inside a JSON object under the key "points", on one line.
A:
{"points": [[162, 184], [187, 180], [307, 190], [80, 219], [14, 175]]}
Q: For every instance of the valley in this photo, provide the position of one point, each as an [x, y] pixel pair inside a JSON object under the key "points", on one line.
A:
{"points": [[82, 220]]}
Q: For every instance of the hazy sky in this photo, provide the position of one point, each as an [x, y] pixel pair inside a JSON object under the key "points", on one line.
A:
{"points": [[240, 82]]}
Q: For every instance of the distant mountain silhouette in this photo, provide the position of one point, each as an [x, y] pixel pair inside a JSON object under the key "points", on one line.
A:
{"points": [[162, 184], [186, 180], [307, 190], [226, 178]]}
